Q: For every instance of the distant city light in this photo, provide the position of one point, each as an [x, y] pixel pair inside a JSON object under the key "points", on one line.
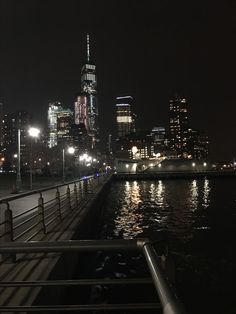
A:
{"points": [[127, 166], [204, 164], [193, 164], [159, 165]]}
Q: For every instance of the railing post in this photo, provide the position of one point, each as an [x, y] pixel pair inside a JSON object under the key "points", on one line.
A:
{"points": [[80, 190], [68, 196], [76, 196], [9, 237], [58, 203], [89, 190], [41, 213], [85, 187]]}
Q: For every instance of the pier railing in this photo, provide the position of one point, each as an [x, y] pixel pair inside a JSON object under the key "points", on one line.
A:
{"points": [[166, 299], [26, 215]]}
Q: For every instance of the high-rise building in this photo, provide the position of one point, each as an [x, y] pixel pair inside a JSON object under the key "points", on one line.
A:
{"points": [[198, 144], [81, 111], [1, 126], [59, 124], [158, 135], [11, 123], [86, 107], [178, 124], [54, 108], [64, 123], [124, 116]]}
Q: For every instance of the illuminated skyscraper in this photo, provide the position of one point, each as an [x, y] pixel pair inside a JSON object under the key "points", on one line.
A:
{"points": [[53, 109], [1, 125], [86, 108], [124, 116], [178, 114], [59, 124]]}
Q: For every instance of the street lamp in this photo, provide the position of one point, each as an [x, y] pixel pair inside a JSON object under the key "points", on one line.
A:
{"points": [[33, 133], [70, 150], [18, 175]]}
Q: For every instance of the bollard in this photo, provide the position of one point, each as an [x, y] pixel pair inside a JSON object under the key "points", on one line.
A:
{"points": [[58, 203], [76, 196], [41, 214], [68, 197], [9, 237]]}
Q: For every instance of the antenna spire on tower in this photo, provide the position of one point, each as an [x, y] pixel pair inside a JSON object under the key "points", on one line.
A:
{"points": [[88, 52]]}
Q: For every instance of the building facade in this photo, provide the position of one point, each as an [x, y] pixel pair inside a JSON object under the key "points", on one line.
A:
{"points": [[59, 124], [124, 116], [178, 125]]}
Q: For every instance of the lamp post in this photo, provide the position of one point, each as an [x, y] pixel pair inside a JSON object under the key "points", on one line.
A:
{"points": [[33, 133], [70, 150], [18, 175]]}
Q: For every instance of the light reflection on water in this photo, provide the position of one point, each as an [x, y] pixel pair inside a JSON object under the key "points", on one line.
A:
{"points": [[129, 222], [145, 207], [200, 216]]}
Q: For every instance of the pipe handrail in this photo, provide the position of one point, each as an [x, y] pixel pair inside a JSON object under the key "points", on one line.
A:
{"points": [[169, 302], [23, 194]]}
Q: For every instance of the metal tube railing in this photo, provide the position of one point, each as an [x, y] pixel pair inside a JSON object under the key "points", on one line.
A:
{"points": [[167, 297], [62, 202], [169, 301]]}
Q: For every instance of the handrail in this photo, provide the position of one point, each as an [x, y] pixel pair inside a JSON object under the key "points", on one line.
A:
{"points": [[48, 208], [170, 303], [23, 194]]}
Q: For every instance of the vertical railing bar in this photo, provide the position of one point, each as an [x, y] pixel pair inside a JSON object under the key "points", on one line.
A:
{"points": [[68, 197], [41, 213], [9, 236], [58, 203]]}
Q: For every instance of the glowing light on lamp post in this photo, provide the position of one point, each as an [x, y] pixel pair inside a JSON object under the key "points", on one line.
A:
{"points": [[33, 133]]}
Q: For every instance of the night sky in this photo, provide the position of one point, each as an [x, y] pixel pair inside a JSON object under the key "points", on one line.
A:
{"points": [[147, 49]]}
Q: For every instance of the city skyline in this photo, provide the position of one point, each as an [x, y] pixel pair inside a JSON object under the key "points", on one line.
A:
{"points": [[148, 51]]}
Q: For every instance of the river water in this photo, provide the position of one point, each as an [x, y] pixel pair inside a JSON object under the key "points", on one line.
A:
{"points": [[199, 217]]}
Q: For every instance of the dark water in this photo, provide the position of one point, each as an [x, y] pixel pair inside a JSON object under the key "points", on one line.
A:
{"points": [[199, 217]]}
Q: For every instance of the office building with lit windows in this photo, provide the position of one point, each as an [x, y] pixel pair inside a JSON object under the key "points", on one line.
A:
{"points": [[198, 144], [64, 123], [124, 116], [59, 124], [178, 125]]}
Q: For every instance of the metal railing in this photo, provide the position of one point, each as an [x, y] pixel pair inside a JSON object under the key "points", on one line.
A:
{"points": [[44, 212], [167, 300]]}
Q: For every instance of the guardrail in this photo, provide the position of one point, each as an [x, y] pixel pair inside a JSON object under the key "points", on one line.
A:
{"points": [[62, 199], [167, 299]]}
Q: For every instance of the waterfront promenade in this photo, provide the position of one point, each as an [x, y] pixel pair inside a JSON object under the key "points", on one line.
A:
{"points": [[59, 213]]}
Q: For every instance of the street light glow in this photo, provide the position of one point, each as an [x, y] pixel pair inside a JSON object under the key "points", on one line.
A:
{"points": [[34, 132], [71, 150]]}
